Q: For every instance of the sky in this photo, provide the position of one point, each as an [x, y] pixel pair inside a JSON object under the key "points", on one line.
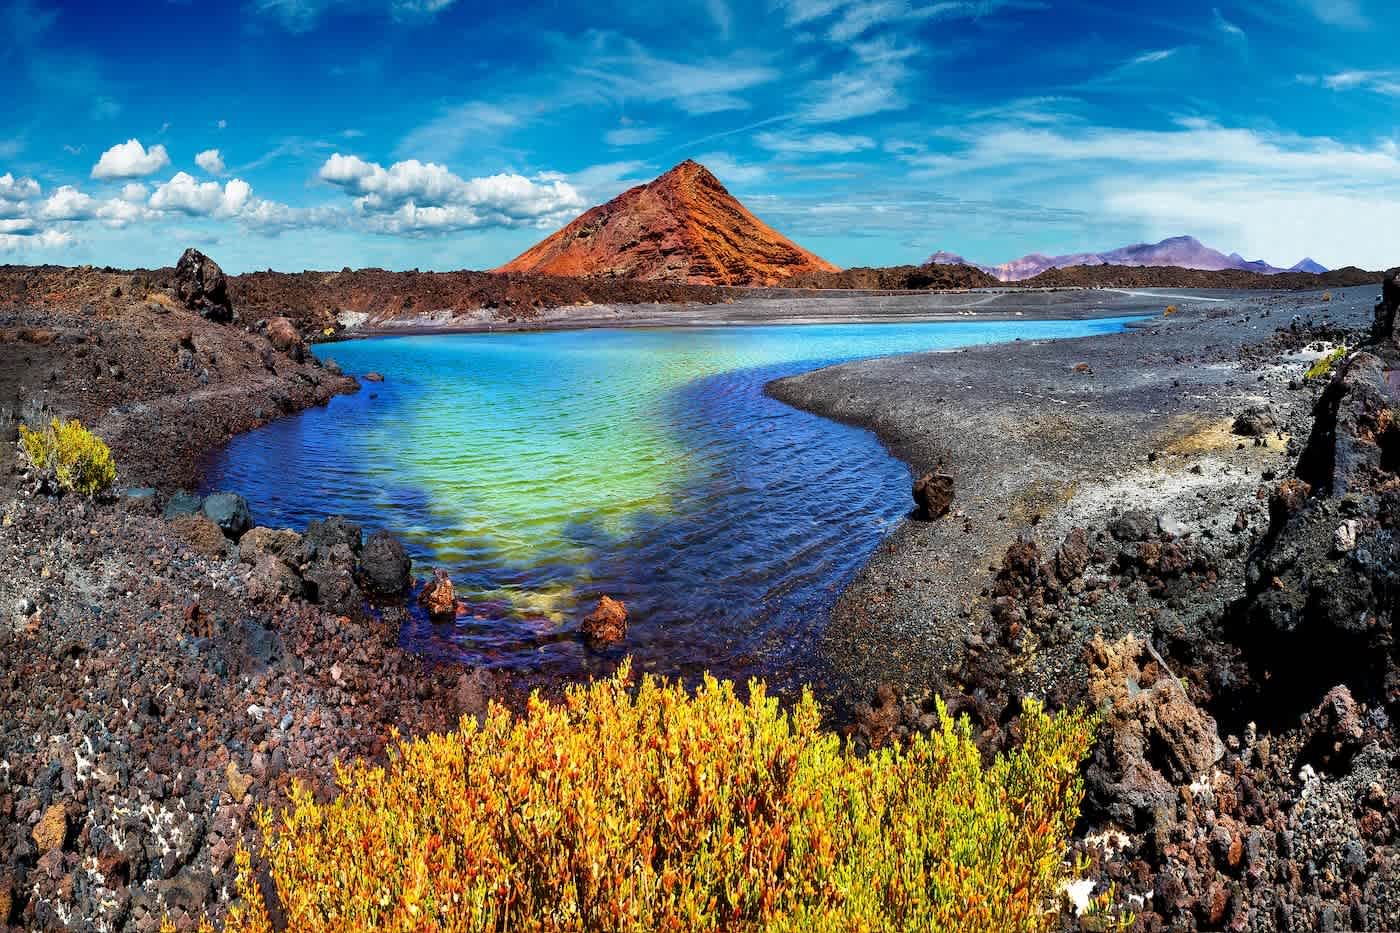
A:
{"points": [[444, 134]]}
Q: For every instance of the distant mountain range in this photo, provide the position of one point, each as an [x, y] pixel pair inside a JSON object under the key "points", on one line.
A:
{"points": [[1184, 251], [682, 227]]}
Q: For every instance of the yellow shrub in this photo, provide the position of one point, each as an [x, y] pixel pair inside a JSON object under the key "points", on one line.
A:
{"points": [[75, 458], [652, 809], [1324, 365]]}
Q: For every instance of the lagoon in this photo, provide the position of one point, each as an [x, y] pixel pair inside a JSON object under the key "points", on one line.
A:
{"points": [[544, 469]]}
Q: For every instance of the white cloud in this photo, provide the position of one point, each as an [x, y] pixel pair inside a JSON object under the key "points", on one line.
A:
{"points": [[1227, 27], [134, 191], [622, 70], [1386, 83], [211, 161], [183, 194], [1151, 58], [730, 171], [422, 196], [633, 135], [48, 239], [454, 127], [68, 203], [18, 189], [303, 15], [859, 92], [1337, 12], [792, 144], [1276, 195], [130, 160]]}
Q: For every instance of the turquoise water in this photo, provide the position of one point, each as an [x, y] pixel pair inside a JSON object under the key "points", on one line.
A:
{"points": [[544, 469]]}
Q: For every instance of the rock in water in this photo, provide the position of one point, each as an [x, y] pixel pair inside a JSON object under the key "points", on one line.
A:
{"points": [[201, 286], [607, 623], [230, 512], [437, 595], [322, 536], [933, 494], [283, 336], [385, 564]]}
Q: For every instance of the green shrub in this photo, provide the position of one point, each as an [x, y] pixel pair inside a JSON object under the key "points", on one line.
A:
{"points": [[70, 456], [1325, 364], [653, 809]]}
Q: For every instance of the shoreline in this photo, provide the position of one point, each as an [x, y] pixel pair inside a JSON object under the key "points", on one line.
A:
{"points": [[843, 308], [120, 624], [1104, 546]]}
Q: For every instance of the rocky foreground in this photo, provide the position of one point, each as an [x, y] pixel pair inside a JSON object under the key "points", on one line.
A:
{"points": [[1190, 526], [1175, 524], [165, 666]]}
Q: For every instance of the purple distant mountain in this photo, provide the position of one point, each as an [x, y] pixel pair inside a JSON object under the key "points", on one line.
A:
{"points": [[1184, 251]]}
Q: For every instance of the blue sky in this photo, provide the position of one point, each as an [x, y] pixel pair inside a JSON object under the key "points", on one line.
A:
{"points": [[443, 134]]}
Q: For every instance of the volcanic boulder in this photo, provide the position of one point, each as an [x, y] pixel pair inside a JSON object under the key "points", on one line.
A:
{"points": [[681, 227], [607, 623], [283, 336], [385, 564], [933, 494], [200, 285], [437, 595]]}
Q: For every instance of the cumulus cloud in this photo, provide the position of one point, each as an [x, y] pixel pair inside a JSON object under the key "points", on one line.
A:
{"points": [[18, 189], [185, 195], [413, 195], [131, 160], [211, 160]]}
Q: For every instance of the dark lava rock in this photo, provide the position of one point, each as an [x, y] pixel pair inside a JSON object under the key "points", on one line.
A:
{"points": [[230, 512], [201, 286], [182, 503], [933, 494], [333, 587], [323, 535], [607, 623], [1255, 421], [1333, 731], [1072, 556], [1132, 526], [385, 564], [437, 595]]}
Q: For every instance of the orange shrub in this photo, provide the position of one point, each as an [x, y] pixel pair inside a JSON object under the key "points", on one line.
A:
{"points": [[653, 809]]}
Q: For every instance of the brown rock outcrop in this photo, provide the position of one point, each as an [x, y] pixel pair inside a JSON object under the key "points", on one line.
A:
{"points": [[681, 227], [933, 494], [607, 623], [437, 595], [1153, 738]]}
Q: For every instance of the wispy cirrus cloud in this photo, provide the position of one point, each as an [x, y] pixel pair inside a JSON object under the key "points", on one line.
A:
{"points": [[301, 16], [1386, 83]]}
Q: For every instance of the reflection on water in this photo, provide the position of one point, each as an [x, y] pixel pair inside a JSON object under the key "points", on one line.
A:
{"points": [[544, 469]]}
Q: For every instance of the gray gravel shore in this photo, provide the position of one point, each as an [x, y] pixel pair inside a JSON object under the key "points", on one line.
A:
{"points": [[1033, 440]]}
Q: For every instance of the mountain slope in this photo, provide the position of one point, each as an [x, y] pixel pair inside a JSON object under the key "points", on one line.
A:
{"points": [[1181, 251], [682, 227]]}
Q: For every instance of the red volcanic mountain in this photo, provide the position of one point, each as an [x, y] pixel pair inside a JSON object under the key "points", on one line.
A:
{"points": [[682, 227]]}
